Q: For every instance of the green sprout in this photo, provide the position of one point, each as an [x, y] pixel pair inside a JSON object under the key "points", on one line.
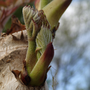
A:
{"points": [[40, 52]]}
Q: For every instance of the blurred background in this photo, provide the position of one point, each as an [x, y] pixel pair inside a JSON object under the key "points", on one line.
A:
{"points": [[71, 64]]}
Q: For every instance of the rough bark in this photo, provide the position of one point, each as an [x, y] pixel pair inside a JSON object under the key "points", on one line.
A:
{"points": [[12, 53]]}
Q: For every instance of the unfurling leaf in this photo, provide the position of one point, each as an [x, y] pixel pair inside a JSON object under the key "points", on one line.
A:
{"points": [[15, 26]]}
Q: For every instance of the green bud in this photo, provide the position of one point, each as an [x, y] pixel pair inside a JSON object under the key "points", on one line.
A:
{"points": [[39, 71], [33, 21], [40, 49]]}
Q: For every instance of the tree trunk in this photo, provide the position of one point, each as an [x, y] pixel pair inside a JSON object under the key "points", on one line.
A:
{"points": [[12, 53]]}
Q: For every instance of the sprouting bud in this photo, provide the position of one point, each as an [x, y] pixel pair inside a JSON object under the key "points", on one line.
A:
{"points": [[28, 14], [39, 36], [39, 71], [44, 37]]}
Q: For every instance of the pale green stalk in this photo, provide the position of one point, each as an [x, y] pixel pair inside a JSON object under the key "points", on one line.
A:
{"points": [[54, 11]]}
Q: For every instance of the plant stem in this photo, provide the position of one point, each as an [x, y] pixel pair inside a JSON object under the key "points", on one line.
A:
{"points": [[31, 56], [43, 3], [54, 10]]}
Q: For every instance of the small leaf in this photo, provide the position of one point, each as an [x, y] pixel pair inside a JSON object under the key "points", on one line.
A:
{"points": [[15, 26], [44, 37], [16, 73]]}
